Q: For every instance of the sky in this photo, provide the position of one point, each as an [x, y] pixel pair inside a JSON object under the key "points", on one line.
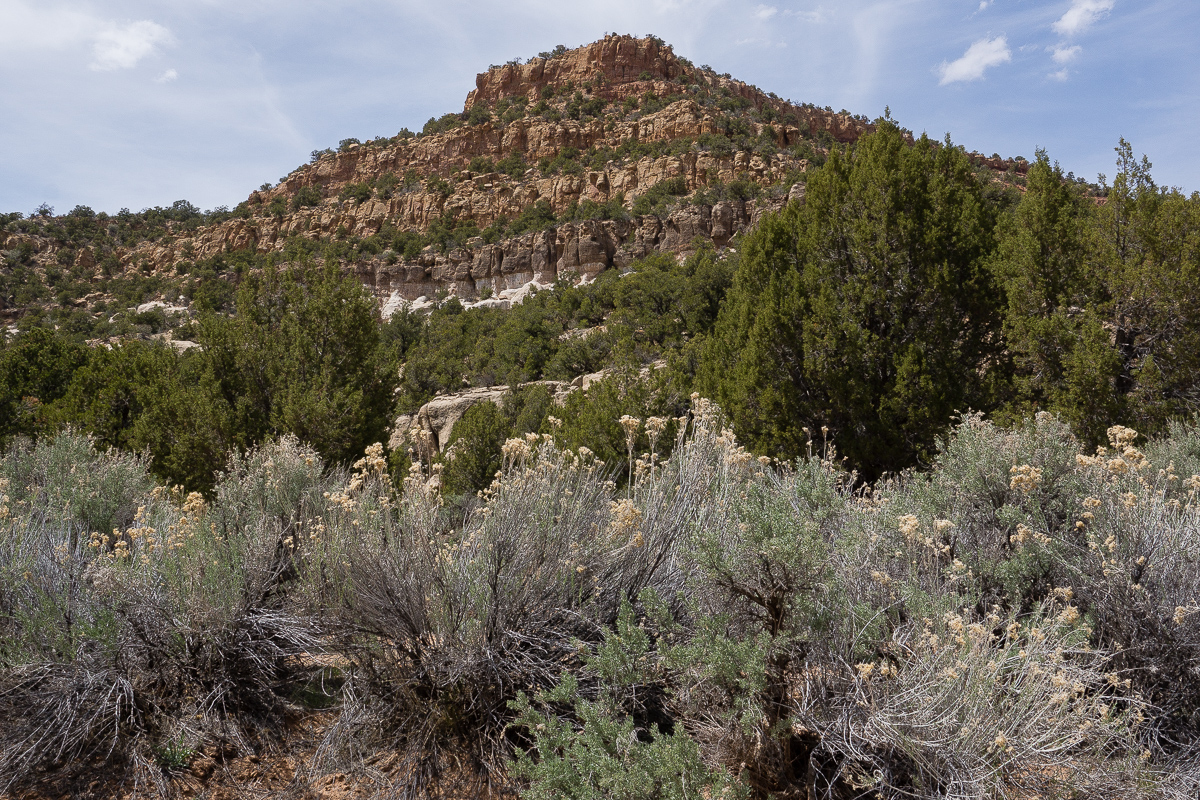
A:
{"points": [[133, 104]]}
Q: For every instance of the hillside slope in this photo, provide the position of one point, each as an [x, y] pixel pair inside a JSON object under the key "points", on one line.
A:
{"points": [[573, 162]]}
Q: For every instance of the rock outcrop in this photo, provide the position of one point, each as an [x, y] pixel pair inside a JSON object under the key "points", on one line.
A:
{"points": [[580, 250], [619, 67], [484, 198], [434, 422], [437, 418]]}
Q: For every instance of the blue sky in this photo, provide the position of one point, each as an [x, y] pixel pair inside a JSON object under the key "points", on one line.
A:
{"points": [[133, 103]]}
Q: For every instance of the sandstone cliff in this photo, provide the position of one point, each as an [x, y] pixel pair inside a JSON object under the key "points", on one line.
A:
{"points": [[619, 67], [579, 250]]}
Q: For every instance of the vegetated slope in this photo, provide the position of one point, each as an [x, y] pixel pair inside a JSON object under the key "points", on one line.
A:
{"points": [[576, 161], [913, 282]]}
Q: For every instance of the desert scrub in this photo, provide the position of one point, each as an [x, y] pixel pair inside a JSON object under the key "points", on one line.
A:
{"points": [[761, 589], [69, 483], [985, 707], [1012, 519], [520, 592], [475, 614], [133, 615], [1022, 618], [948, 634], [63, 695], [611, 746], [56, 493]]}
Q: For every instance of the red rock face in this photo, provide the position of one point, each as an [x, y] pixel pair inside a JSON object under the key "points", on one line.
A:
{"points": [[616, 66]]}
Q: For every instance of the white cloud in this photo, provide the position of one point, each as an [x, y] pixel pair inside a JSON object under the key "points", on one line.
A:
{"points": [[760, 43], [820, 15], [167, 76], [984, 4], [35, 27], [1061, 75], [1063, 54], [1081, 16], [123, 46], [30, 27], [765, 12], [979, 56]]}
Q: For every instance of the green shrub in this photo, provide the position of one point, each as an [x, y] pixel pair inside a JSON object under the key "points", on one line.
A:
{"points": [[612, 751], [614, 208], [566, 162], [442, 124], [513, 112], [307, 196], [386, 185], [536, 217], [35, 371], [439, 186], [578, 108], [472, 456], [513, 165], [481, 164], [478, 115], [358, 192], [659, 197]]}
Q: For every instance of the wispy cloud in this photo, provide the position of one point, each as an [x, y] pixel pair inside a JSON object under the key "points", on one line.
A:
{"points": [[25, 27], [167, 76], [1063, 54], [819, 15], [1081, 15], [32, 27], [979, 57], [1061, 75], [765, 12], [123, 46]]}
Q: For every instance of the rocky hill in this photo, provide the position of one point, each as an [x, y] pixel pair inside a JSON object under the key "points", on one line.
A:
{"points": [[575, 161], [620, 116]]}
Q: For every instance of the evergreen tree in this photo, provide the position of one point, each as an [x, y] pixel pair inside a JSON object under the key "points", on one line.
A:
{"points": [[473, 452], [1102, 313], [1051, 325], [1146, 249], [302, 356], [868, 311], [142, 396], [35, 371]]}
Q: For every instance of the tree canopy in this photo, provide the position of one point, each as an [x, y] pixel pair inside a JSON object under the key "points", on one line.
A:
{"points": [[868, 312]]}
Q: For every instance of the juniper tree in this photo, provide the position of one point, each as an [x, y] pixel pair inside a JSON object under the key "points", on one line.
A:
{"points": [[868, 311]]}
